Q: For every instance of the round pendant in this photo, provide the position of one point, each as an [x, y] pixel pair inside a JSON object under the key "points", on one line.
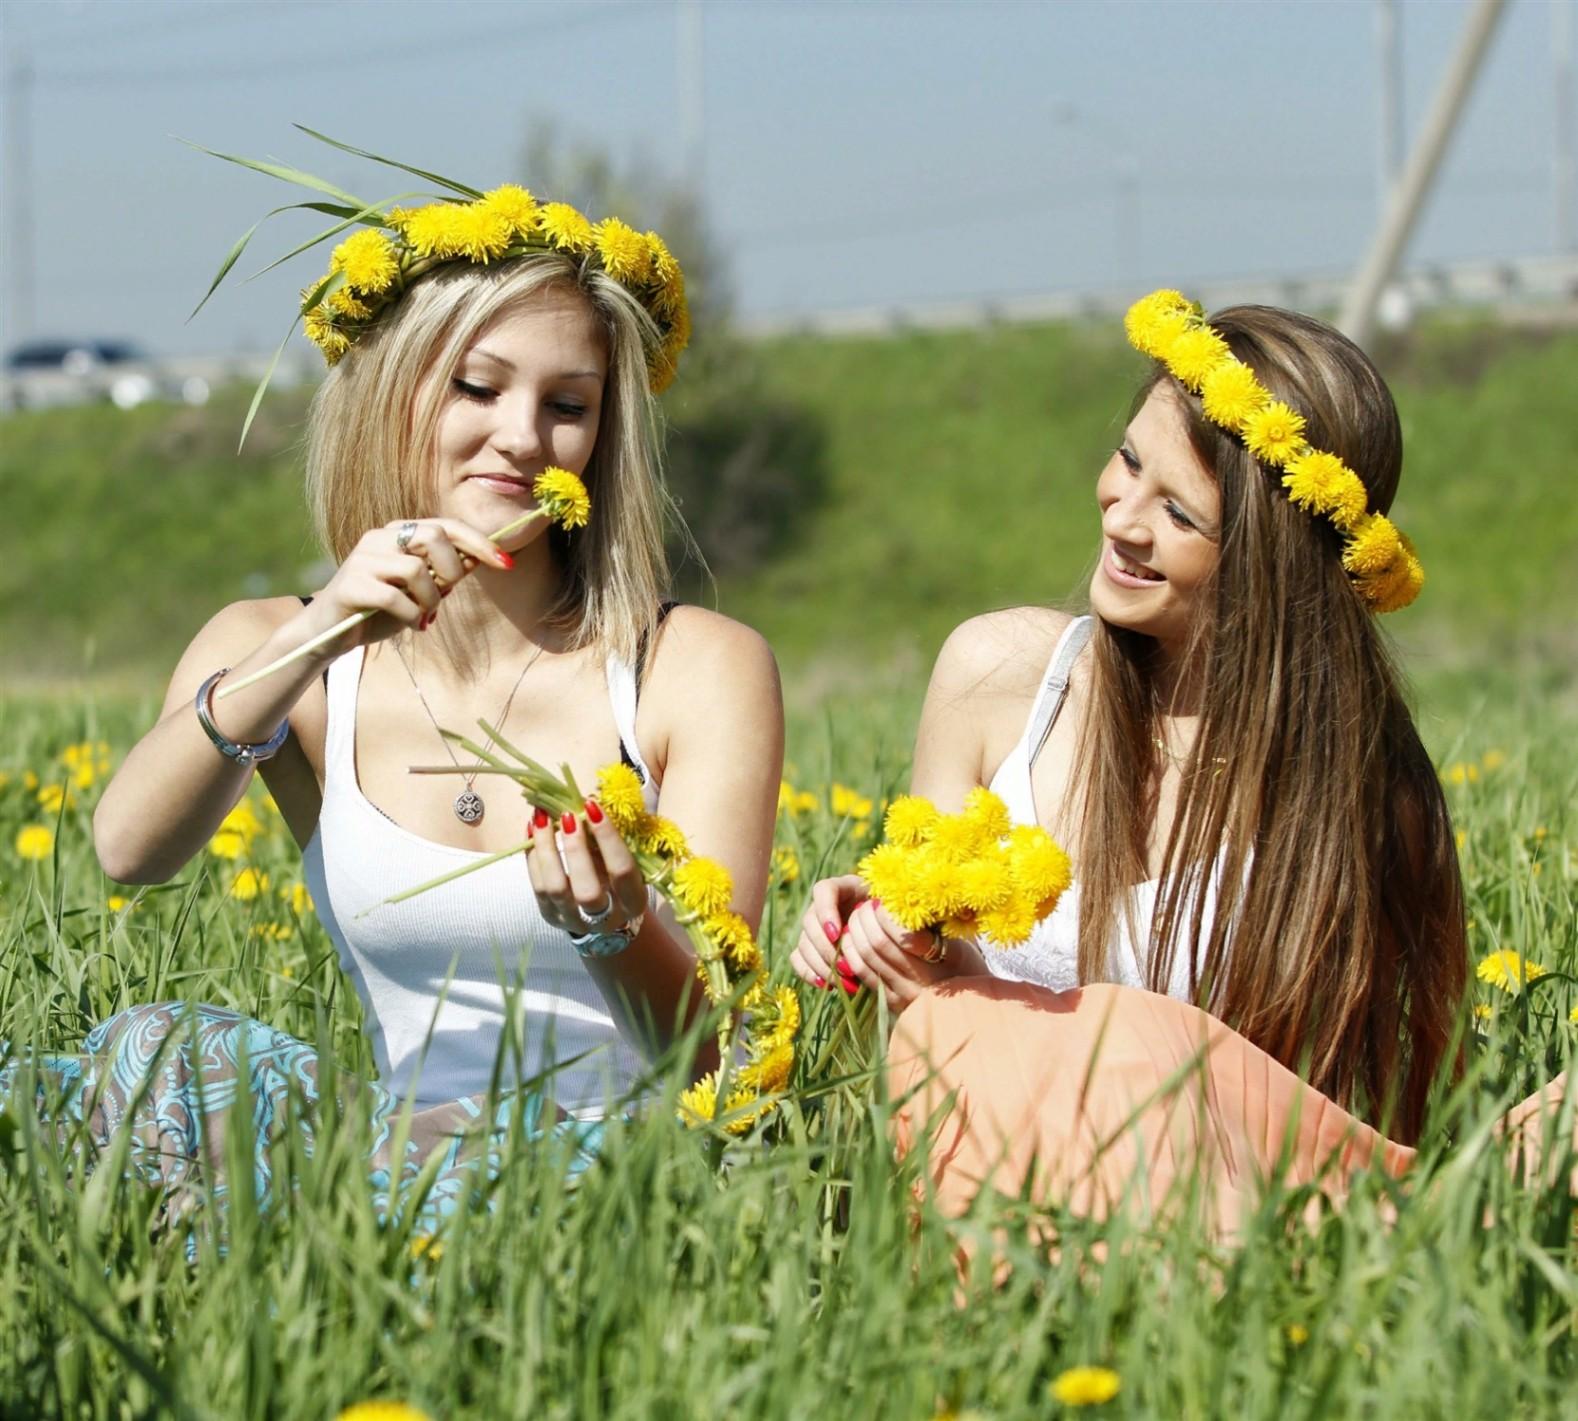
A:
{"points": [[469, 807]]}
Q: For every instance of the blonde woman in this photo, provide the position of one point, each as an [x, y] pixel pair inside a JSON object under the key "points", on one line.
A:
{"points": [[1267, 897], [444, 405]]}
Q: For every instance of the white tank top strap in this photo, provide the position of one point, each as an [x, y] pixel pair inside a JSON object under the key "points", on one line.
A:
{"points": [[622, 695], [1054, 686], [340, 684]]}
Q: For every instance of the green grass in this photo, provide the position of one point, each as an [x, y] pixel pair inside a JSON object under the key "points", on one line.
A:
{"points": [[793, 1283]]}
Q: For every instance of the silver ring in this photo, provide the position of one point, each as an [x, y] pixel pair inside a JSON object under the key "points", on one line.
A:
{"points": [[404, 536], [601, 915]]}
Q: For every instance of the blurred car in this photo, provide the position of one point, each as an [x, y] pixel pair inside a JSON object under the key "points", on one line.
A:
{"points": [[41, 373]]}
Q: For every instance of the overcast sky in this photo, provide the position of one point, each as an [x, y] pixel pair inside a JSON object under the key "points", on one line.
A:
{"points": [[850, 153]]}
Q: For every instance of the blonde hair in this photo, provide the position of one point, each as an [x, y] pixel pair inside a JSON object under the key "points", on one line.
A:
{"points": [[1338, 944], [373, 423]]}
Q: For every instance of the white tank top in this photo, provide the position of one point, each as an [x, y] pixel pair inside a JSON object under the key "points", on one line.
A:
{"points": [[1050, 957], [463, 942]]}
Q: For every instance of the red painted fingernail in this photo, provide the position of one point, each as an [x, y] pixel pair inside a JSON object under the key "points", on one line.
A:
{"points": [[593, 812], [833, 931], [506, 559], [531, 830], [844, 931], [820, 981], [844, 969], [876, 902], [850, 986], [540, 819], [568, 822]]}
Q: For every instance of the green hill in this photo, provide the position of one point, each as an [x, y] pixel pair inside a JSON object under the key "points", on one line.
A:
{"points": [[959, 473]]}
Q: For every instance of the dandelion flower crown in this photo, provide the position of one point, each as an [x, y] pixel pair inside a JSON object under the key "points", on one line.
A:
{"points": [[1379, 559], [395, 246]]}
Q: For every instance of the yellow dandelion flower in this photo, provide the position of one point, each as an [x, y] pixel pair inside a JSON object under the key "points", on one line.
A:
{"points": [[566, 228], [1493, 760], [322, 332], [1508, 971], [1461, 774], [343, 301], [1462, 839], [1399, 585], [962, 924], [958, 837], [909, 820], [299, 899], [54, 797], [985, 883], [1274, 434], [663, 268], [1374, 547], [734, 939], [663, 363], [1323, 484], [426, 1246], [771, 1072], [248, 884], [623, 250], [563, 497], [703, 886], [781, 1008], [1296, 1333], [29, 781], [1482, 1012], [987, 812], [1011, 924], [930, 889], [1194, 354], [1155, 321], [1085, 1386], [271, 932], [786, 864], [480, 234], [883, 869], [1040, 868], [847, 803], [1572, 1016], [1231, 393], [657, 835], [368, 260], [382, 1411], [514, 206], [35, 841], [622, 796], [699, 1102], [431, 231], [115, 902]]}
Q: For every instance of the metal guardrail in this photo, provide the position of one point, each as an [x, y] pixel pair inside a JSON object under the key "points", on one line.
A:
{"points": [[1520, 281]]}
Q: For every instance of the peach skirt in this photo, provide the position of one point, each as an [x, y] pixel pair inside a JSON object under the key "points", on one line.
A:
{"points": [[1109, 1097]]}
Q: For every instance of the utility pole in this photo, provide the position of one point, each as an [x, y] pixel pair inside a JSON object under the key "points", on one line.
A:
{"points": [[1390, 116], [17, 82], [689, 79], [1562, 159], [1402, 212]]}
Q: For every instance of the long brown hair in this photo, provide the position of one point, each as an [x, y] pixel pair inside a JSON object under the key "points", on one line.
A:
{"points": [[1338, 942]]}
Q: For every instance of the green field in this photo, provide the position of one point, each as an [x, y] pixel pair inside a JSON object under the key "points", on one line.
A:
{"points": [[800, 1280]]}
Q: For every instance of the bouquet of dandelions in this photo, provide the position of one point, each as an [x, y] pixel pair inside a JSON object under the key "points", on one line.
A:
{"points": [[974, 874], [728, 960]]}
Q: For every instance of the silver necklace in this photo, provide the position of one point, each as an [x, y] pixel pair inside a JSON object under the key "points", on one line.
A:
{"points": [[469, 806]]}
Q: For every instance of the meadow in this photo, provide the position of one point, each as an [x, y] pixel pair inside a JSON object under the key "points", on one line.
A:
{"points": [[804, 1278]]}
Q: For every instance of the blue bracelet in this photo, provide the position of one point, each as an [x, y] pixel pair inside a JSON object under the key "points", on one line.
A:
{"points": [[247, 755]]}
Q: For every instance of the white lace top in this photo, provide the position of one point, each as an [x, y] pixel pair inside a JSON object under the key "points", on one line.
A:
{"points": [[1050, 958]]}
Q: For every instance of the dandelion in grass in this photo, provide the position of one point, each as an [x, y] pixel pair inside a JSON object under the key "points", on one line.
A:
{"points": [[35, 841], [1492, 760], [1508, 971], [115, 903], [249, 884], [299, 900], [786, 865], [383, 1411], [847, 803], [1461, 774], [796, 802], [1086, 1386], [54, 797], [1296, 1333]]}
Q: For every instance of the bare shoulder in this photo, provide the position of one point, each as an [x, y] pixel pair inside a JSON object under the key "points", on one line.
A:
{"points": [[999, 655], [695, 642]]}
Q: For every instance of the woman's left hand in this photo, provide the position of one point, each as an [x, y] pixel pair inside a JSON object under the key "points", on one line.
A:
{"points": [[886, 956], [584, 875]]}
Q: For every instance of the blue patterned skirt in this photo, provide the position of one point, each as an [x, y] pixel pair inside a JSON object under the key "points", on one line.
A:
{"points": [[170, 1080]]}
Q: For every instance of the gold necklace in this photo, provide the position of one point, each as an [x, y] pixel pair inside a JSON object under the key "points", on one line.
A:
{"points": [[469, 805]]}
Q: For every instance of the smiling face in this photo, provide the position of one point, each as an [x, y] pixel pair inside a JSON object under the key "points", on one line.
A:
{"points": [[1160, 515], [526, 394]]}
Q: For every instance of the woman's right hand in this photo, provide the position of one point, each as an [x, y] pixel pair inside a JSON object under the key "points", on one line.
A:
{"points": [[833, 900], [403, 586]]}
